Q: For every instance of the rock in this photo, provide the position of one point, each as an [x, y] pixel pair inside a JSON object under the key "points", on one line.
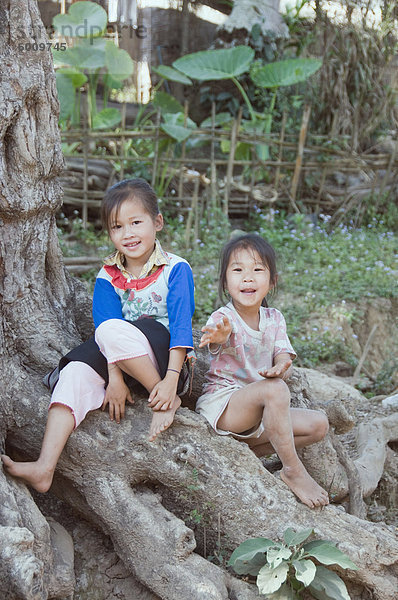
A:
{"points": [[63, 575], [390, 402]]}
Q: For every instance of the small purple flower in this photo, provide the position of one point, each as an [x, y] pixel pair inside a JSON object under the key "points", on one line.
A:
{"points": [[156, 297]]}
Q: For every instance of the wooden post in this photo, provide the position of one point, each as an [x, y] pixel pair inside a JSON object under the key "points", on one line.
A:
{"points": [[321, 186], [300, 151], [156, 150], [230, 167], [85, 173], [280, 153], [182, 166], [192, 212], [123, 140], [195, 203], [213, 168]]}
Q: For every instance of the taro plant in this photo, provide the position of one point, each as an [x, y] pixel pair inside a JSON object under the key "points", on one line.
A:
{"points": [[88, 60], [285, 570], [230, 63]]}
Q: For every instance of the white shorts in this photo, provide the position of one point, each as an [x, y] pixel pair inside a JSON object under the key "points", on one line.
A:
{"points": [[212, 405]]}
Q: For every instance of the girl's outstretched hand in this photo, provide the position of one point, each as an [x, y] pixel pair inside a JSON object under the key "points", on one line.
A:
{"points": [[278, 370], [217, 334]]}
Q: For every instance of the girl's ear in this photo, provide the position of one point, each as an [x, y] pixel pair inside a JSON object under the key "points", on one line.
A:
{"points": [[159, 222]]}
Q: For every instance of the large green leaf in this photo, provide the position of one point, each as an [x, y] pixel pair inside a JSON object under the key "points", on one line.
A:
{"points": [[270, 580], [294, 538], [174, 126], [220, 119], [305, 571], [77, 77], [327, 585], [83, 19], [257, 127], [276, 555], [328, 554], [107, 118], [253, 567], [118, 62], [171, 74], [249, 548], [110, 82], [88, 58], [285, 592], [216, 64], [66, 95], [284, 72], [167, 103]]}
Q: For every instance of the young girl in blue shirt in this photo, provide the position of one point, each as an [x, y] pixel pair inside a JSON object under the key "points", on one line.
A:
{"points": [[142, 309]]}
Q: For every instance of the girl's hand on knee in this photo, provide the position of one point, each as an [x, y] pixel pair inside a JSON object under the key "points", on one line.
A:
{"points": [[278, 370], [116, 395], [217, 334]]}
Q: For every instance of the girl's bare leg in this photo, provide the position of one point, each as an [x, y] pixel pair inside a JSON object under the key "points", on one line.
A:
{"points": [[39, 474], [144, 371], [309, 427], [269, 401]]}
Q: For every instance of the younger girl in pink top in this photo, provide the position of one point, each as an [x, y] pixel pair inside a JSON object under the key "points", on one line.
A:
{"points": [[245, 394]]}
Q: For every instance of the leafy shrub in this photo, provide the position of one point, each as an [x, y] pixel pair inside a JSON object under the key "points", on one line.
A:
{"points": [[284, 570]]}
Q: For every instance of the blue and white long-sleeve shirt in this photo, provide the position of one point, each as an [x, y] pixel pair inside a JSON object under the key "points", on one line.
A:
{"points": [[166, 294]]}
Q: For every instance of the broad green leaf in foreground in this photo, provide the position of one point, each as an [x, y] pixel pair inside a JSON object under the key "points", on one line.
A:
{"points": [[285, 592], [82, 57], [83, 19], [270, 580], [249, 548], [171, 74], [252, 567], [216, 64], [305, 571], [327, 585], [66, 95], [328, 554], [294, 538], [118, 62], [276, 555], [284, 72], [77, 77]]}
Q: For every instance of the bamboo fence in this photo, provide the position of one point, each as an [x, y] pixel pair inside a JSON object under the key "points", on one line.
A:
{"points": [[299, 174]]}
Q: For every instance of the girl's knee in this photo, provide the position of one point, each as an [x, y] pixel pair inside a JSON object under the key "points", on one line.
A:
{"points": [[321, 426], [103, 331], [276, 391]]}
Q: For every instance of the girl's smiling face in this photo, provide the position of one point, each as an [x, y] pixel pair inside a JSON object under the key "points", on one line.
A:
{"points": [[133, 232], [247, 278]]}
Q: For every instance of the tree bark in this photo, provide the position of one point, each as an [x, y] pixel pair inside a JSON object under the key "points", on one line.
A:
{"points": [[139, 493]]}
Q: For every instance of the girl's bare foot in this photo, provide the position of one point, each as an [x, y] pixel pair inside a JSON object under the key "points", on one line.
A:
{"points": [[304, 486], [32, 473], [162, 419]]}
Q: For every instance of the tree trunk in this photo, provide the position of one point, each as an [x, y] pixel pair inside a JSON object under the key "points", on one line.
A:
{"points": [[138, 493]]}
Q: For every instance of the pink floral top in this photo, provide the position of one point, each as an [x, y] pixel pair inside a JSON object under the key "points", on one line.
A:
{"points": [[238, 361]]}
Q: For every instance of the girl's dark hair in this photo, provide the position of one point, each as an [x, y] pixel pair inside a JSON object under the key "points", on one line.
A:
{"points": [[128, 189], [249, 241]]}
